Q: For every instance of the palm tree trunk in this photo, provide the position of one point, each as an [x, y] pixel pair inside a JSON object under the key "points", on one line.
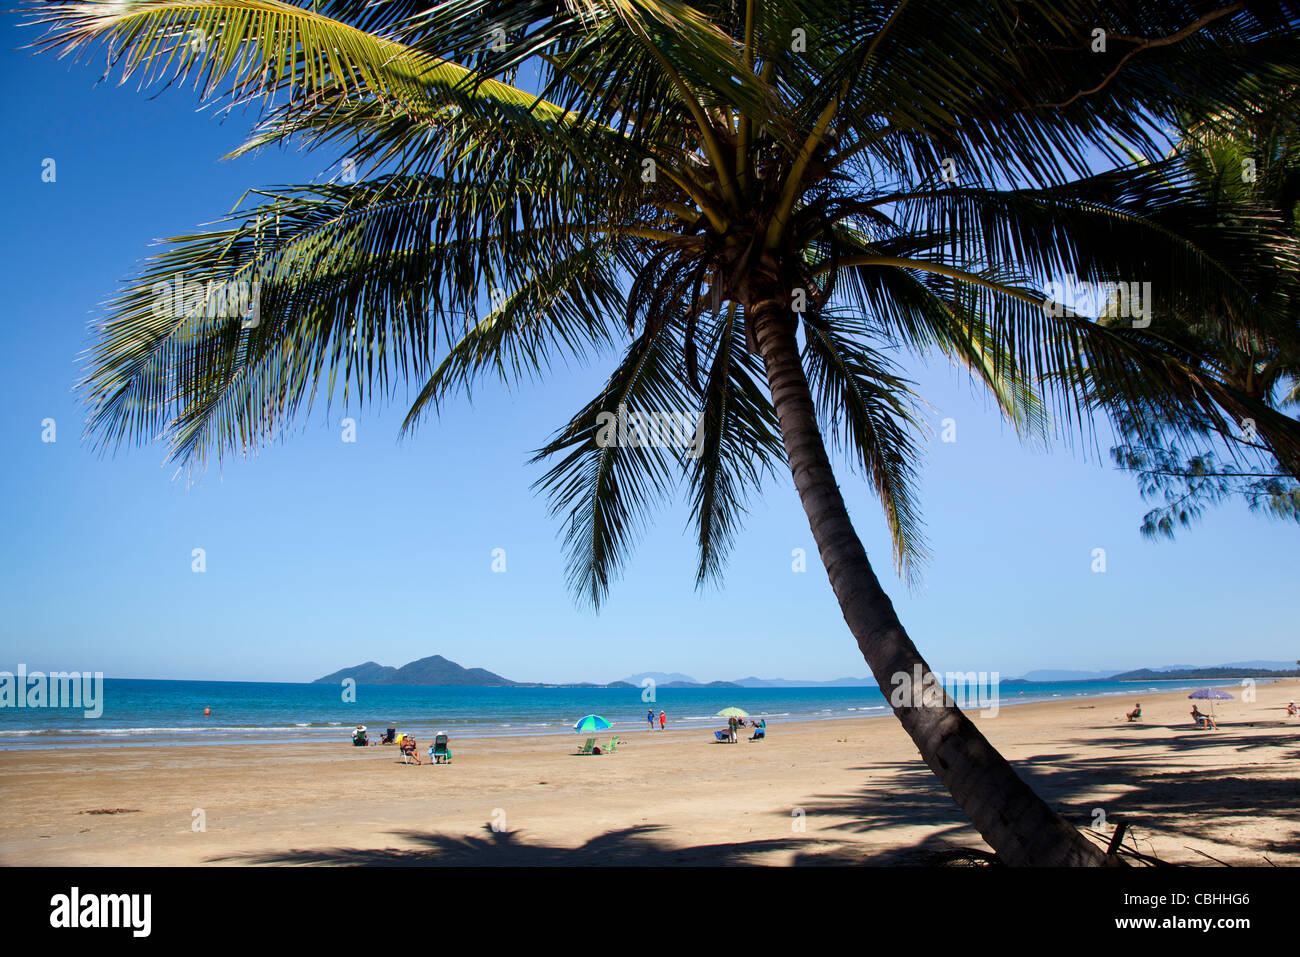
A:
{"points": [[1015, 821]]}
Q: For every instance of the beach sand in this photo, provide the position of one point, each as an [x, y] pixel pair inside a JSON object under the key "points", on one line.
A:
{"points": [[856, 787]]}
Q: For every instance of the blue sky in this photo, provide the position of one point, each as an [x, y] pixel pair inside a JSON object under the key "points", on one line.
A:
{"points": [[322, 553]]}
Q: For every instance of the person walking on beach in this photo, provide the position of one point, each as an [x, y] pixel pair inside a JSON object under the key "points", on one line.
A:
{"points": [[650, 719], [731, 729], [663, 721]]}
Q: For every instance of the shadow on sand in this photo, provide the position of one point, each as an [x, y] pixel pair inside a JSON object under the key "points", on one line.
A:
{"points": [[1201, 804], [1196, 803], [633, 845]]}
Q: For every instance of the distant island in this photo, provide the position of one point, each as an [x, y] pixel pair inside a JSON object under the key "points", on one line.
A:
{"points": [[436, 670], [442, 672], [672, 680]]}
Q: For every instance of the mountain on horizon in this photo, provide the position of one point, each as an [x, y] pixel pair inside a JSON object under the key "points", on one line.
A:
{"points": [[1057, 674], [752, 682], [660, 678], [1217, 671], [437, 670], [369, 673], [434, 670], [1267, 665]]}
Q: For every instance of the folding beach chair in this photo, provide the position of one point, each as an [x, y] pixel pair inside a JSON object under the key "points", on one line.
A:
{"points": [[613, 746], [586, 748], [441, 753], [408, 746]]}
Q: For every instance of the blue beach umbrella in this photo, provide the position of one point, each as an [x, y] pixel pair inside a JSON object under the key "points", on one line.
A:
{"points": [[592, 722]]}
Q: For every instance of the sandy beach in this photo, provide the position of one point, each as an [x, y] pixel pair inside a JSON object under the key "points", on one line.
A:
{"points": [[849, 791]]}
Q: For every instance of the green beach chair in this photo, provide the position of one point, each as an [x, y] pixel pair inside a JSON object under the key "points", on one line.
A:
{"points": [[586, 748], [440, 753], [613, 745]]}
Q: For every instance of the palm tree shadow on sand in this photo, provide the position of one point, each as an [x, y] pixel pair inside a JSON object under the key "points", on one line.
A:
{"points": [[632, 846], [1191, 805], [1188, 805], [636, 845]]}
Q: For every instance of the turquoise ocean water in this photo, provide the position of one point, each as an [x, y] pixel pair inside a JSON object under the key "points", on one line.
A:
{"points": [[139, 712]]}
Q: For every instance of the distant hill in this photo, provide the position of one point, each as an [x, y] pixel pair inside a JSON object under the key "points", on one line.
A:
{"points": [[370, 673], [1165, 672], [1052, 674], [753, 682], [573, 684], [1200, 674], [439, 671], [1269, 665], [434, 670], [660, 678]]}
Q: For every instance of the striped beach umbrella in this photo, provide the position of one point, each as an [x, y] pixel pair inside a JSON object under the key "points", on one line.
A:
{"points": [[1212, 695]]}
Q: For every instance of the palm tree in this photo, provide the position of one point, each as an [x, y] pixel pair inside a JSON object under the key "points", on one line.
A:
{"points": [[1247, 165], [714, 181]]}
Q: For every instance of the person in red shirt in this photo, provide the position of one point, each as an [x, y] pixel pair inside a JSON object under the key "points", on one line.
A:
{"points": [[663, 721]]}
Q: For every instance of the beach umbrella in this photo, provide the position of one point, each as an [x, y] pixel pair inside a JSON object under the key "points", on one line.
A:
{"points": [[733, 713], [1212, 695], [592, 722]]}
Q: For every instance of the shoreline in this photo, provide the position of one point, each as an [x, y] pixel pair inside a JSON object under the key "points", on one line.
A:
{"points": [[53, 739], [856, 788]]}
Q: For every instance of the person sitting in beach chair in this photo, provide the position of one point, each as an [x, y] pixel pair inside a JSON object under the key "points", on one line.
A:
{"points": [[1203, 720], [390, 737], [1291, 710], [760, 730], [722, 737], [439, 753], [359, 736], [410, 751], [1136, 712]]}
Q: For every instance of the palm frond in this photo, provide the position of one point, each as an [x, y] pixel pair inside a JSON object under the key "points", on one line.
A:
{"points": [[865, 405], [739, 446], [610, 477]]}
